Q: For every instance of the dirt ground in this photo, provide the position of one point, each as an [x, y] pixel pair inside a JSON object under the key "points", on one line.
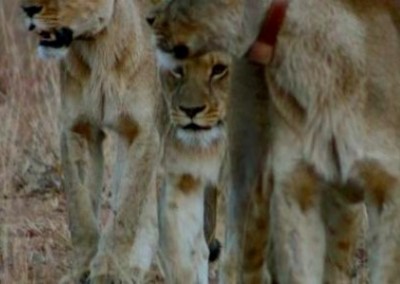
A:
{"points": [[35, 239]]}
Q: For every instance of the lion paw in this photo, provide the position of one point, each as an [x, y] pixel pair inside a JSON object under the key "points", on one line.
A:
{"points": [[110, 269], [81, 277]]}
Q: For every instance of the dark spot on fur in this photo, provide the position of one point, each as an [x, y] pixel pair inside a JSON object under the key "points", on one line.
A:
{"points": [[352, 191], [305, 185], [187, 183], [128, 128], [344, 245], [215, 250], [376, 182], [84, 129]]}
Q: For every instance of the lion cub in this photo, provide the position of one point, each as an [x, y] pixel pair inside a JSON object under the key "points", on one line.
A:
{"points": [[196, 95]]}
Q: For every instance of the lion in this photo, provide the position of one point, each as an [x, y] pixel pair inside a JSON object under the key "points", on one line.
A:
{"points": [[196, 98], [333, 72], [109, 81]]}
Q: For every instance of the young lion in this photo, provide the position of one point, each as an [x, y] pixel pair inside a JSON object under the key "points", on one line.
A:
{"points": [[196, 95], [334, 79], [108, 81]]}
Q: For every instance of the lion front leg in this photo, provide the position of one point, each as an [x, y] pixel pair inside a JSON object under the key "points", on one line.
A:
{"points": [[134, 179], [184, 251], [344, 232], [210, 221], [146, 242], [382, 192], [82, 161], [297, 226], [210, 228]]}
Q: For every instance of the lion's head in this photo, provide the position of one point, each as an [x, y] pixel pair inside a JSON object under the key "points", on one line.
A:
{"points": [[59, 22], [196, 93], [184, 29]]}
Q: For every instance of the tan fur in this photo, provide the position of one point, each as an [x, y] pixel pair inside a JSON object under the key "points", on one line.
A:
{"points": [[334, 84], [191, 164], [108, 82]]}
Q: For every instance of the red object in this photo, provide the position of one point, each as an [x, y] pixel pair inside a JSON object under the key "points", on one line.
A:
{"points": [[262, 50]]}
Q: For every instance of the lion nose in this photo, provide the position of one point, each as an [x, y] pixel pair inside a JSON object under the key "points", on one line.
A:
{"points": [[150, 20], [180, 51], [32, 10], [192, 111]]}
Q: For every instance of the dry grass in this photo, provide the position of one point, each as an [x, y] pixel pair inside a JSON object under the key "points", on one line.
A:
{"points": [[34, 234]]}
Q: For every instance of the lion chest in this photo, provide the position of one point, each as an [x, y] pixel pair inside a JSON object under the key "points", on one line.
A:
{"points": [[107, 101], [325, 136]]}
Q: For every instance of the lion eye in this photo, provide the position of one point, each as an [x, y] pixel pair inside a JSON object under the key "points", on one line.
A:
{"points": [[177, 72], [219, 70]]}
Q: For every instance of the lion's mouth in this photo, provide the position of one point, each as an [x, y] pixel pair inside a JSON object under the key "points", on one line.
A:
{"points": [[195, 127], [44, 35], [57, 38]]}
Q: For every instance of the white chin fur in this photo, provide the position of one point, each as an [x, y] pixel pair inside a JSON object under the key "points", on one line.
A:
{"points": [[203, 138], [49, 52], [166, 60], [28, 22]]}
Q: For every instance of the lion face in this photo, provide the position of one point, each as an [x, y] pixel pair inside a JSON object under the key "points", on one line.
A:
{"points": [[59, 22], [196, 92], [184, 29]]}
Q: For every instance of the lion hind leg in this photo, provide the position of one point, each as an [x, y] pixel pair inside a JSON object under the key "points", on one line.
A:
{"points": [[133, 182], [344, 231]]}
